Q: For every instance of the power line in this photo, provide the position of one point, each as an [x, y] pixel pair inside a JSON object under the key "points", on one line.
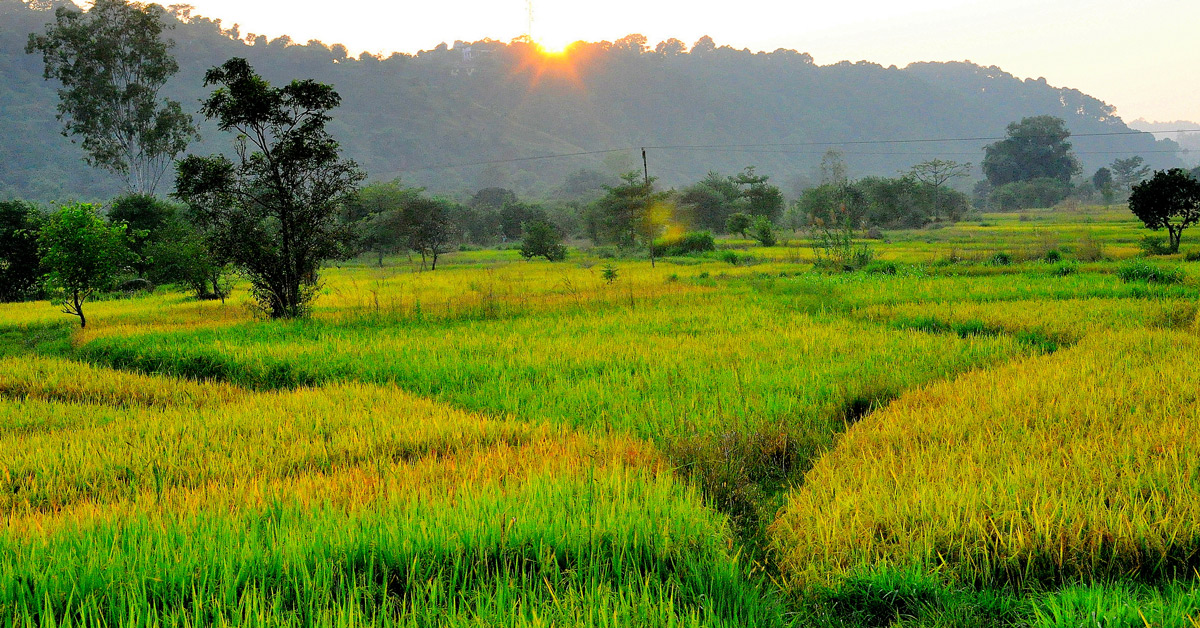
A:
{"points": [[764, 148]]}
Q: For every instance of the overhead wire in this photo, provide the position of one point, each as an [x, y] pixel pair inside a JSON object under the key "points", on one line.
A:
{"points": [[778, 148]]}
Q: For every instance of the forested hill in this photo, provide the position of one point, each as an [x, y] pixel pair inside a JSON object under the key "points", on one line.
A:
{"points": [[491, 101]]}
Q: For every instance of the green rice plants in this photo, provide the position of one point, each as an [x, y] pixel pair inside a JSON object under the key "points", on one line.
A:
{"points": [[1141, 270]]}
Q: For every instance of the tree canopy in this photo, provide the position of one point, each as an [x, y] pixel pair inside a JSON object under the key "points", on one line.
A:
{"points": [[1169, 200], [273, 212], [1036, 148], [112, 63], [82, 255]]}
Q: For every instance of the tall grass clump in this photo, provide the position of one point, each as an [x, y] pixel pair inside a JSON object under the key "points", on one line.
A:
{"points": [[1141, 270]]}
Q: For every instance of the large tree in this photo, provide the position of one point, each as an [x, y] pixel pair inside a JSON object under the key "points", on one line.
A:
{"points": [[1169, 200], [82, 255], [1036, 148], [112, 62], [273, 212]]}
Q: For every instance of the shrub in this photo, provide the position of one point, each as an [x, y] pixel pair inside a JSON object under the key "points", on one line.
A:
{"points": [[730, 257], [881, 268], [1052, 256], [542, 239], [686, 244], [609, 273], [764, 231], [1154, 245], [1064, 269], [1141, 270], [1000, 259], [1192, 256], [1089, 249]]}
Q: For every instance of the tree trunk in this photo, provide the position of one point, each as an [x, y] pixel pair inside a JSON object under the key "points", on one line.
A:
{"points": [[79, 310]]}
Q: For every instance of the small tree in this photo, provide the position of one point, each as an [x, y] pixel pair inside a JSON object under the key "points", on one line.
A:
{"points": [[632, 212], [1169, 200], [1103, 181], [430, 229], [179, 255], [20, 265], [145, 216], [764, 231], [82, 255], [542, 239], [739, 223], [112, 62], [1127, 173], [937, 173], [274, 213]]}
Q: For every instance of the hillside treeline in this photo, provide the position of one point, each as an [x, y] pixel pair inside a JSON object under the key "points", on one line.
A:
{"points": [[409, 116]]}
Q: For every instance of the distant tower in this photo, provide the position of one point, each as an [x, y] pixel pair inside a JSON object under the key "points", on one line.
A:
{"points": [[529, 27]]}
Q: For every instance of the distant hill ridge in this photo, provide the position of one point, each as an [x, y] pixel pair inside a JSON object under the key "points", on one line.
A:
{"points": [[494, 102]]}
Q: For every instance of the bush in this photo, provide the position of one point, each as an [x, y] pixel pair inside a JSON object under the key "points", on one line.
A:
{"points": [[881, 268], [1064, 269], [686, 244], [1141, 270], [542, 239], [1000, 259], [764, 231], [1192, 256], [1154, 245], [730, 257], [1052, 256]]}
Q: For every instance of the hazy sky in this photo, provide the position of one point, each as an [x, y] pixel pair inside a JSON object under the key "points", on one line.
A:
{"points": [[1141, 55]]}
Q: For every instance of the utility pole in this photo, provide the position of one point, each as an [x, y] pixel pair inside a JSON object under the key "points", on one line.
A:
{"points": [[649, 210]]}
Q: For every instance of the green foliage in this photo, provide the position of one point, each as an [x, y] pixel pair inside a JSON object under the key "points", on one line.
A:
{"points": [[430, 228], [1154, 245], [376, 211], [761, 198], [542, 239], [1029, 194], [1129, 172], [835, 246], [632, 212], [20, 264], [1169, 200], [763, 231], [274, 213], [739, 223], [145, 216], [609, 273], [709, 203], [181, 256], [1036, 148], [688, 243], [112, 63], [1000, 259], [1141, 270], [82, 255]]}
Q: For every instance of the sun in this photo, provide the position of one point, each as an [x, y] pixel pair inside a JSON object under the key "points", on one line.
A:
{"points": [[554, 46]]}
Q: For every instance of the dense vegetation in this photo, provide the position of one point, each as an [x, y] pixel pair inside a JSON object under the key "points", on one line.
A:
{"points": [[405, 113], [520, 442]]}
